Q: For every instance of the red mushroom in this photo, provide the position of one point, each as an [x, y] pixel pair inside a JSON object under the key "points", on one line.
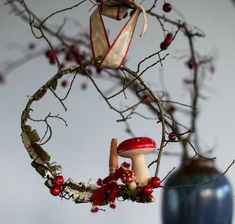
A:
{"points": [[136, 148], [128, 177]]}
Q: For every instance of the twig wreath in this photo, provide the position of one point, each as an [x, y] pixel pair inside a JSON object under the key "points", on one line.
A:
{"points": [[137, 184]]}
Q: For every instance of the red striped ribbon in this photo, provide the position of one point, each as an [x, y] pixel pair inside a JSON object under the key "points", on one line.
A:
{"points": [[113, 55]]}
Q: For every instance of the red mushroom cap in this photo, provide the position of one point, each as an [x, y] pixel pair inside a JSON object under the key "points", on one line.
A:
{"points": [[125, 166], [136, 146], [128, 176]]}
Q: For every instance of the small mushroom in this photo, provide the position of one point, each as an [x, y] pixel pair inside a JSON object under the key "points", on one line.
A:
{"points": [[113, 156], [128, 177], [125, 166], [136, 148]]}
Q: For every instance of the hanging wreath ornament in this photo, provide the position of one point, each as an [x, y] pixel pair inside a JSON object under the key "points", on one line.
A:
{"points": [[127, 181]]}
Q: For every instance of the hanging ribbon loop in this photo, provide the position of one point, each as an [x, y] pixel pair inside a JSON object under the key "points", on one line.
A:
{"points": [[113, 55]]}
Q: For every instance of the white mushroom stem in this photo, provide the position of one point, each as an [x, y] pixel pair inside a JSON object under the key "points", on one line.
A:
{"points": [[141, 170], [132, 185], [113, 156]]}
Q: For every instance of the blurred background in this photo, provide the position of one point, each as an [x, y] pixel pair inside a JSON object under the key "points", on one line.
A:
{"points": [[82, 147]]}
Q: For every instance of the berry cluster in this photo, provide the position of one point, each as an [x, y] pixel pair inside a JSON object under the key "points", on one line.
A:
{"points": [[153, 183], [71, 54], [58, 182]]}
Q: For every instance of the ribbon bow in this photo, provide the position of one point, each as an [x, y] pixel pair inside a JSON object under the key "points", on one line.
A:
{"points": [[113, 55]]}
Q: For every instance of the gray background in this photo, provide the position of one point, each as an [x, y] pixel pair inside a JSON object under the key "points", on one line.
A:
{"points": [[82, 148]]}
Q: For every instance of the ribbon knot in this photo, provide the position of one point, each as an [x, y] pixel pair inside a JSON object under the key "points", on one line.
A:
{"points": [[113, 55]]}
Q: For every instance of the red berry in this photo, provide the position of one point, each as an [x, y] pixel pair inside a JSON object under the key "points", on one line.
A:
{"points": [[2, 79], [112, 205], [172, 137], [155, 182], [171, 109], [52, 60], [147, 190], [163, 46], [80, 60], [55, 190], [32, 46], [146, 98], [64, 83], [74, 49], [83, 86], [168, 38], [167, 7], [49, 54], [59, 181], [191, 63], [70, 56], [95, 209]]}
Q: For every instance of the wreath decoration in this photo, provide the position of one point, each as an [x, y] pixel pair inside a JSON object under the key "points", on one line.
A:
{"points": [[137, 185]]}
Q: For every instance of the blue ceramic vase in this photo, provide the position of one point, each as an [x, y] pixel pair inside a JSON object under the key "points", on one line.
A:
{"points": [[203, 204]]}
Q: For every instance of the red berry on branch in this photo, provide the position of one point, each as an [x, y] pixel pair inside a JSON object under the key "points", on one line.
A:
{"points": [[147, 190], [155, 182], [95, 209], [191, 63], [171, 109], [2, 78], [146, 98], [52, 60], [172, 137], [74, 49], [55, 190], [80, 60], [49, 54], [32, 46], [70, 56], [64, 83], [167, 7], [59, 181], [168, 38], [163, 46], [112, 205], [83, 86]]}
